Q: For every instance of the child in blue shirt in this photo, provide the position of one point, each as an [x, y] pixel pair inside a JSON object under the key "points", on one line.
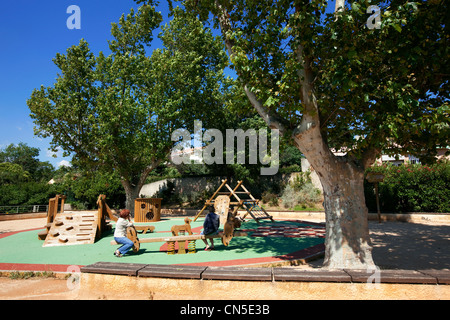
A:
{"points": [[210, 227]]}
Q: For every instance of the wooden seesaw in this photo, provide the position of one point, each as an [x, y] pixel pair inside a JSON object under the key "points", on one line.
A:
{"points": [[230, 224], [226, 237], [132, 235]]}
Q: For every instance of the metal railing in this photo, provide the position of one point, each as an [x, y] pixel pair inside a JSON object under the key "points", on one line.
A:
{"points": [[23, 209]]}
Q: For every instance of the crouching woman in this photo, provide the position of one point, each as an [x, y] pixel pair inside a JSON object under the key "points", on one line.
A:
{"points": [[120, 234]]}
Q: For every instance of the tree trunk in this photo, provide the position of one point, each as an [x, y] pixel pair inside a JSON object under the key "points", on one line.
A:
{"points": [[131, 193], [347, 242], [132, 189]]}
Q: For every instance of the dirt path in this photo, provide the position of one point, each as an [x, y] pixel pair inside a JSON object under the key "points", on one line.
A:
{"points": [[25, 224], [35, 289]]}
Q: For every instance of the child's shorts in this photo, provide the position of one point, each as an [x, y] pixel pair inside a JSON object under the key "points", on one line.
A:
{"points": [[209, 234]]}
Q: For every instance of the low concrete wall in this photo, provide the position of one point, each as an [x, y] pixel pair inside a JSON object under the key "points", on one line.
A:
{"points": [[320, 215], [101, 286], [301, 215], [20, 216], [412, 217]]}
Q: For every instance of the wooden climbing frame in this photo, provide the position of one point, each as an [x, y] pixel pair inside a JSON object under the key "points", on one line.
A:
{"points": [[242, 199], [103, 211], [53, 205], [79, 227]]}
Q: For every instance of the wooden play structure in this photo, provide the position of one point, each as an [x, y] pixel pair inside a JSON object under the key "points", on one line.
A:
{"points": [[103, 212], [147, 209], [72, 228], [222, 200], [132, 235], [53, 205], [78, 227]]}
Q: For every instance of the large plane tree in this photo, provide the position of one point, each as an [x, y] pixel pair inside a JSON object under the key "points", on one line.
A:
{"points": [[330, 83]]}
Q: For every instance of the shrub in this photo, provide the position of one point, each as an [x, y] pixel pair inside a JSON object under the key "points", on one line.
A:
{"points": [[300, 193], [411, 188], [270, 198]]}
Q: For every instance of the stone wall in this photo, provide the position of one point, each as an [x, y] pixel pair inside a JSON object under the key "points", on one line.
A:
{"points": [[198, 184]]}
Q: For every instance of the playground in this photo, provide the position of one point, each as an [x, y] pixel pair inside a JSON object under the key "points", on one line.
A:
{"points": [[282, 241], [67, 242], [418, 245], [246, 237]]}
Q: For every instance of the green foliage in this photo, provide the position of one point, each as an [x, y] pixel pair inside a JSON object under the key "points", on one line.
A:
{"points": [[30, 274], [82, 187], [305, 195], [290, 169], [118, 111], [411, 188], [12, 173], [88, 187], [270, 198], [23, 178], [22, 155], [20, 163], [26, 193], [375, 89], [381, 85], [290, 156]]}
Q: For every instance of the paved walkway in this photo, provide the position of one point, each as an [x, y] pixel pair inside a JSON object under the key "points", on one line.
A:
{"points": [[411, 246], [397, 245]]}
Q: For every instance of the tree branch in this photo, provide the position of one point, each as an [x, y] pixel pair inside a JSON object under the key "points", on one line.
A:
{"points": [[273, 120], [306, 75], [339, 6]]}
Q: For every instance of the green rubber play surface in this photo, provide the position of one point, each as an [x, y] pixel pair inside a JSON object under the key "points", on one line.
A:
{"points": [[265, 242]]}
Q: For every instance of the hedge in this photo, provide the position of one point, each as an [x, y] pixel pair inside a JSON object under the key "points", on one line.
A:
{"points": [[411, 188]]}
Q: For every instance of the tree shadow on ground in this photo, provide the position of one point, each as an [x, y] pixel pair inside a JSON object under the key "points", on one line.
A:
{"points": [[274, 246], [413, 246]]}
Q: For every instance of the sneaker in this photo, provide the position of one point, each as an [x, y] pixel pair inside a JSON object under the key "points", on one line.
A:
{"points": [[117, 253]]}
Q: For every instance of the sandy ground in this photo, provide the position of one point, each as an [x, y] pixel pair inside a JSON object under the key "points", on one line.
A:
{"points": [[396, 245]]}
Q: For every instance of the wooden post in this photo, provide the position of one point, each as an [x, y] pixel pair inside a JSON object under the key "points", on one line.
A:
{"points": [[375, 178], [378, 202]]}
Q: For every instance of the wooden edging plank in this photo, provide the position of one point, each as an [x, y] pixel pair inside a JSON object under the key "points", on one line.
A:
{"points": [[172, 271], [428, 277], [128, 269]]}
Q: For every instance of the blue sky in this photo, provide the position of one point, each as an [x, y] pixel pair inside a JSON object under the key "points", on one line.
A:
{"points": [[31, 34]]}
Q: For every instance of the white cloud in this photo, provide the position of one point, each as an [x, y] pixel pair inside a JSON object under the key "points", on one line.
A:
{"points": [[51, 154], [64, 163]]}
